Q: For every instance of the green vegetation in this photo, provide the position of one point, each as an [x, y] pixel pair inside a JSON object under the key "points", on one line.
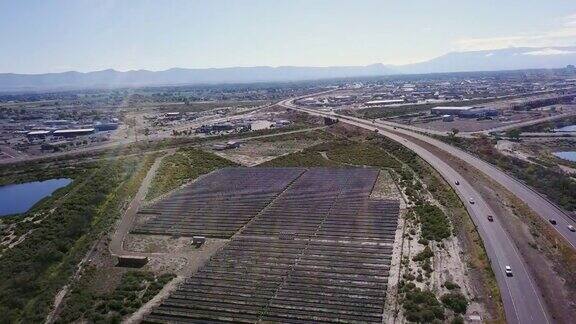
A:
{"points": [[363, 154], [420, 306], [434, 223], [32, 272], [424, 254], [450, 285], [135, 289], [551, 181], [457, 320], [455, 301], [182, 166]]}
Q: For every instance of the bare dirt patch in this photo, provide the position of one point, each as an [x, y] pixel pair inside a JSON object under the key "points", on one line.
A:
{"points": [[255, 152]]}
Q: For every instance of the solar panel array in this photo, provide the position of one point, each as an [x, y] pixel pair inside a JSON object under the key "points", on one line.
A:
{"points": [[329, 203], [320, 252], [219, 204]]}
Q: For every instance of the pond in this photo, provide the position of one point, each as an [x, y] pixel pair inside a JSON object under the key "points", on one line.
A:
{"points": [[568, 155], [19, 198]]}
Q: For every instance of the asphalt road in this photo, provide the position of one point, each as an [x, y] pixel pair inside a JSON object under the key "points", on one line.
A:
{"points": [[520, 296]]}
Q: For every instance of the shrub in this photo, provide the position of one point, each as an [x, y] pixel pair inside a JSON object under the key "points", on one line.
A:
{"points": [[450, 285], [422, 306], [424, 254], [455, 301], [434, 223]]}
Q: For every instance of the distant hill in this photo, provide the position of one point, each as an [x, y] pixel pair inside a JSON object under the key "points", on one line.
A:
{"points": [[176, 76], [518, 58], [490, 60]]}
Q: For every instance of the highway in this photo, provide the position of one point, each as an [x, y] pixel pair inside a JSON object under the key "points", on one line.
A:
{"points": [[520, 295], [538, 203]]}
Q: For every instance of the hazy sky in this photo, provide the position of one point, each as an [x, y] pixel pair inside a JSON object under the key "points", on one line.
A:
{"points": [[55, 36]]}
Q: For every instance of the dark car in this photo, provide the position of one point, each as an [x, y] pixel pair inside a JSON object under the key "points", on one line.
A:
{"points": [[490, 218], [552, 221]]}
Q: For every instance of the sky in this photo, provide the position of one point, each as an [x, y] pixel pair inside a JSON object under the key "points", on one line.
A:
{"points": [[44, 36]]}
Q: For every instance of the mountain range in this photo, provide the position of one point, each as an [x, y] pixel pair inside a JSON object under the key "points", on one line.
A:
{"points": [[487, 60]]}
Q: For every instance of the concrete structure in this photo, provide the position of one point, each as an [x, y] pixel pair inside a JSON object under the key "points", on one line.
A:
{"points": [[444, 110], [73, 132]]}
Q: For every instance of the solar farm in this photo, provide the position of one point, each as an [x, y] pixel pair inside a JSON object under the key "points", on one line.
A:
{"points": [[307, 245]]}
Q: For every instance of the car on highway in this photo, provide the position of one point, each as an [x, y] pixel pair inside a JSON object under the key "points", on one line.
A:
{"points": [[571, 228], [490, 218], [552, 221], [471, 200], [508, 271], [457, 182]]}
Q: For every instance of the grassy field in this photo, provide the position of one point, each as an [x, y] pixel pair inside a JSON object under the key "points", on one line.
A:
{"points": [[183, 166]]}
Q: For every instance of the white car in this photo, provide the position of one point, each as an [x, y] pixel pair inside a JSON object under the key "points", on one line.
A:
{"points": [[571, 228], [508, 271], [471, 200]]}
